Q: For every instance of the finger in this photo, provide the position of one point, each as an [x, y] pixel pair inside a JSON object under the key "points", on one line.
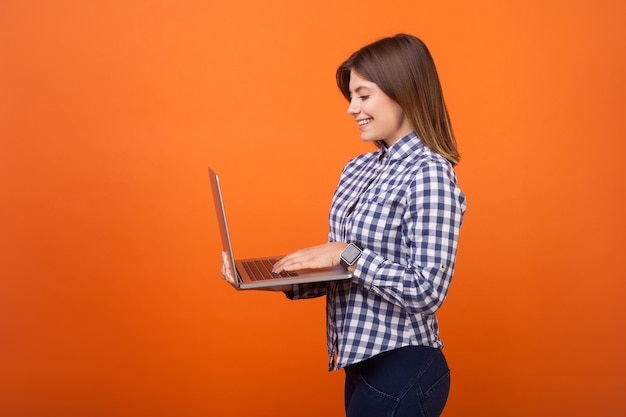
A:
{"points": [[223, 265], [291, 262], [297, 263], [227, 273], [280, 264]]}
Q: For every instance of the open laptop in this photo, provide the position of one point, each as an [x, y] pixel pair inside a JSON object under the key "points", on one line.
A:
{"points": [[257, 272]]}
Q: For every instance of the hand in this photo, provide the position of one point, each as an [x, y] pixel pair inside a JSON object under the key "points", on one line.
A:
{"points": [[229, 275], [227, 269], [320, 256]]}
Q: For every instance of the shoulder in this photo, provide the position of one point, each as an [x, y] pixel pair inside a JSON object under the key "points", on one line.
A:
{"points": [[432, 173], [428, 164], [361, 161]]}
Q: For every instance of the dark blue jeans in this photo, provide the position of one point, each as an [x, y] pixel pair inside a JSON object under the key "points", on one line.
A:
{"points": [[410, 381]]}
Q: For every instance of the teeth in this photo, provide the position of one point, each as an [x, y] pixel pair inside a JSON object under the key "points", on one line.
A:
{"points": [[364, 122]]}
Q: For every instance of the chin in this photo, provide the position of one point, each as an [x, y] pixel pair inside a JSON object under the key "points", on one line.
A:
{"points": [[368, 138]]}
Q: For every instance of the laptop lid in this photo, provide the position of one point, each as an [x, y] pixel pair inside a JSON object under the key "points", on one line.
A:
{"points": [[243, 274], [227, 247]]}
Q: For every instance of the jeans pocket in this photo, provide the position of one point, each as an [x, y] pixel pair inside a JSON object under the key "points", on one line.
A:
{"points": [[435, 397], [366, 400]]}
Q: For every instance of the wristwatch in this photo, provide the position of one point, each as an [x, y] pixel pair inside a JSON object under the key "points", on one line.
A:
{"points": [[350, 255]]}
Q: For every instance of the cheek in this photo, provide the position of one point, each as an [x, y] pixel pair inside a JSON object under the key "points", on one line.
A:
{"points": [[393, 111], [399, 116]]}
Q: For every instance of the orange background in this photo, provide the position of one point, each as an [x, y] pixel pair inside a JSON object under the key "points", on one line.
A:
{"points": [[111, 302]]}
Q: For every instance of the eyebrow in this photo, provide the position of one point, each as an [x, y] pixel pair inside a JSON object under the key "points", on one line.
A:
{"points": [[362, 87]]}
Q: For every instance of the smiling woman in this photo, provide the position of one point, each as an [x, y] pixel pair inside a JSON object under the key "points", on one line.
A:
{"points": [[405, 72], [394, 223], [111, 302]]}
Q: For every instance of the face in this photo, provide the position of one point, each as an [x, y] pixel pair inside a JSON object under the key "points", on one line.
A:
{"points": [[378, 116]]}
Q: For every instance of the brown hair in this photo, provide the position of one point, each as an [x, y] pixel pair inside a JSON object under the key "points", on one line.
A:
{"points": [[404, 70]]}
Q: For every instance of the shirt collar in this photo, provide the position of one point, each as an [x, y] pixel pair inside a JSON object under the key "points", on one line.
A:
{"points": [[405, 146]]}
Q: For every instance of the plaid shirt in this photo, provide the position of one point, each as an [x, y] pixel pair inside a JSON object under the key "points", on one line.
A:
{"points": [[401, 205]]}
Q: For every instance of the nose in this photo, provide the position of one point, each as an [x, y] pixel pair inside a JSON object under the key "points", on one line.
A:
{"points": [[353, 108]]}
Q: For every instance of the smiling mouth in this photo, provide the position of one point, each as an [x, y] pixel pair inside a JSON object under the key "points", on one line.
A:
{"points": [[364, 122]]}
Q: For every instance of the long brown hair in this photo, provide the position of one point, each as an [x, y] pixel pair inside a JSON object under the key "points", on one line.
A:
{"points": [[404, 70]]}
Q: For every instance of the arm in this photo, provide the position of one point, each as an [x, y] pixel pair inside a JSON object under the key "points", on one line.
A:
{"points": [[319, 256], [431, 224], [305, 291], [228, 275]]}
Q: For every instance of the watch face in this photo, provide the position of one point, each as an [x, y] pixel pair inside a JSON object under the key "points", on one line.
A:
{"points": [[351, 254]]}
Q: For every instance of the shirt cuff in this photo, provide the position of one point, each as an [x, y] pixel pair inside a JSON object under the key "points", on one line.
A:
{"points": [[366, 268]]}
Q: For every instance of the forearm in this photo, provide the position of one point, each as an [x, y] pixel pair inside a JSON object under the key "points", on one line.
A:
{"points": [[305, 291], [418, 289]]}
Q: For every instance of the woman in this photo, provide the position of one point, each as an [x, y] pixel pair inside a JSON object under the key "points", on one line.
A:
{"points": [[394, 222]]}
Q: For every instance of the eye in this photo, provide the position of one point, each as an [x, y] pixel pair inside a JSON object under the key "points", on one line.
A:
{"points": [[362, 98]]}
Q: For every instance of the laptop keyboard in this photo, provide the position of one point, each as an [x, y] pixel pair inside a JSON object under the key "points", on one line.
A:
{"points": [[261, 269]]}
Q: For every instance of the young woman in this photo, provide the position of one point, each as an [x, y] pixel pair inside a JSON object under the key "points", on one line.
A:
{"points": [[394, 222]]}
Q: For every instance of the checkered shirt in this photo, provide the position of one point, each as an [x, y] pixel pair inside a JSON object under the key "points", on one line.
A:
{"points": [[401, 205]]}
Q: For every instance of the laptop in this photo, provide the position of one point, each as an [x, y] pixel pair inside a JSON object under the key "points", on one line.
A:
{"points": [[257, 272]]}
